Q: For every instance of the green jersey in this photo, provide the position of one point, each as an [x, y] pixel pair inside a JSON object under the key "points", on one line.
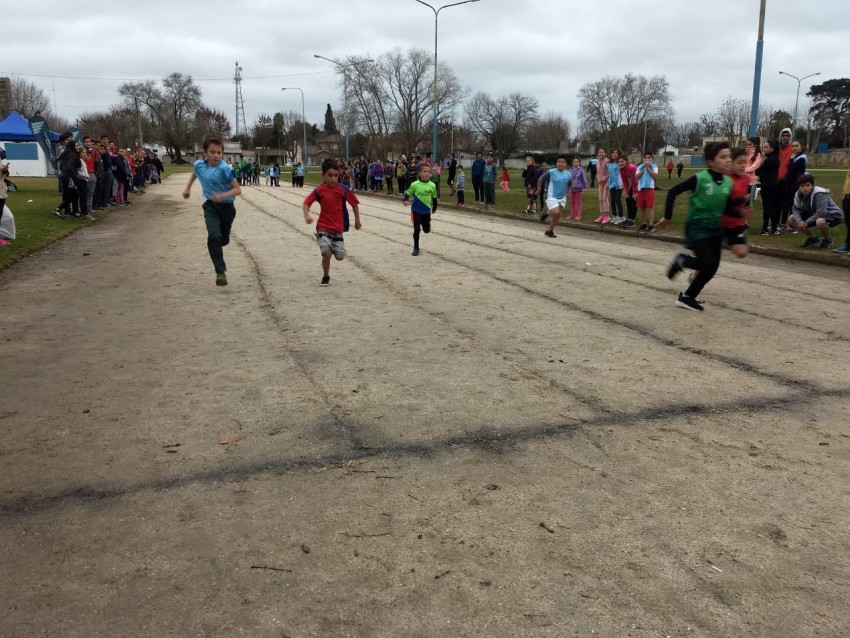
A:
{"points": [[423, 194], [708, 202]]}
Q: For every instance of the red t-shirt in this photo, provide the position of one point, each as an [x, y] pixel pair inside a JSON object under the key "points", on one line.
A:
{"points": [[330, 199], [740, 190]]}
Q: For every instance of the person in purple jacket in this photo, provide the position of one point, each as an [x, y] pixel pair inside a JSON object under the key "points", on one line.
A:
{"points": [[577, 187]]}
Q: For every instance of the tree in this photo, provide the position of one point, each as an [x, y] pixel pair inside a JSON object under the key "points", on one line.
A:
{"points": [[330, 121], [831, 105], [395, 94], [733, 119], [547, 133], [171, 107], [29, 100], [262, 133], [614, 106], [502, 122], [708, 125], [212, 121], [120, 124]]}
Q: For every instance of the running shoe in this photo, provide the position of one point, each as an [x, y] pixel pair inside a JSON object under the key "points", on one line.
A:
{"points": [[765, 233], [650, 230], [221, 279], [549, 233], [599, 219], [5, 242], [675, 266], [326, 280], [88, 218], [844, 249], [826, 243], [811, 241], [605, 220], [642, 229], [683, 301], [58, 213], [629, 223], [415, 252]]}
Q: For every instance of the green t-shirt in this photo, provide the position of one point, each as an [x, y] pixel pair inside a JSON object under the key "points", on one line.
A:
{"points": [[423, 194], [707, 205]]}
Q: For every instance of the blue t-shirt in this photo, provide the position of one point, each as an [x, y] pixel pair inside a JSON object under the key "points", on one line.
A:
{"points": [[646, 181], [559, 182], [214, 179], [614, 180]]}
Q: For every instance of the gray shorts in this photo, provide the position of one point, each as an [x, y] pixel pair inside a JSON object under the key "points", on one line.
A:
{"points": [[330, 242]]}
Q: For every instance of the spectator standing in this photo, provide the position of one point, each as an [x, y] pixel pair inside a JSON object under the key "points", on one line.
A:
{"points": [[452, 173], [489, 181], [768, 176], [679, 168], [591, 170], [478, 166]]}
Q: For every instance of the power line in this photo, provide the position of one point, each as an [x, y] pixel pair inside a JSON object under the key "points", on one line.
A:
{"points": [[137, 79]]}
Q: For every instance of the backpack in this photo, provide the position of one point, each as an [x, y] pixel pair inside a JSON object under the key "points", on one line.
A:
{"points": [[345, 190]]}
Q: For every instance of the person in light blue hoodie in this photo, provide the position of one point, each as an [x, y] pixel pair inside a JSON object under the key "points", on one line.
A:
{"points": [[490, 181]]}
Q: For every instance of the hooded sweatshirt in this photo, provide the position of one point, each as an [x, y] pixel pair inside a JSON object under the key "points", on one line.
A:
{"points": [[818, 205], [785, 153]]}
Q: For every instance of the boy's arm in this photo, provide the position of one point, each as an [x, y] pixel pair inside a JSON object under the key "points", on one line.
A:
{"points": [[357, 224], [188, 190], [305, 208], [235, 191], [689, 184], [654, 173]]}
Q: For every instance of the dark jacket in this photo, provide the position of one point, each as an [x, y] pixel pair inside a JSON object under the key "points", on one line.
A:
{"points": [[478, 169], [768, 172]]}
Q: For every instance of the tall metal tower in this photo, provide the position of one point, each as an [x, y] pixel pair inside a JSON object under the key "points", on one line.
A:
{"points": [[241, 127]]}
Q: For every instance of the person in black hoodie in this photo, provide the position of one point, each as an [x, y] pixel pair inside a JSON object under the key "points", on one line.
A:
{"points": [[69, 167], [768, 174]]}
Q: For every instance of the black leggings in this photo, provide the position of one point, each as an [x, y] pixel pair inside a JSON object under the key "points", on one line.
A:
{"points": [[706, 260], [420, 222], [616, 202], [770, 208]]}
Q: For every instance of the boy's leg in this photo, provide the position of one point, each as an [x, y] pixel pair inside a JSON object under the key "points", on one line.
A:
{"points": [[417, 227], [705, 262], [603, 192], [554, 217], [823, 227], [213, 221], [326, 263], [461, 198]]}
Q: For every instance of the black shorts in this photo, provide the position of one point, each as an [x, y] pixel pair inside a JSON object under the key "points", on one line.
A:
{"points": [[832, 223], [736, 236]]}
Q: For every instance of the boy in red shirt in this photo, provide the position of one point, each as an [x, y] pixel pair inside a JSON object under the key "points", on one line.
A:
{"points": [[332, 197], [735, 228]]}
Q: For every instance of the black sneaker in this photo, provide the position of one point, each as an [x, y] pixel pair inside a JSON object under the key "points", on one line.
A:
{"points": [[58, 213], [220, 279], [765, 233], [642, 229], [549, 233], [686, 302], [326, 280], [629, 223], [675, 267], [811, 241], [544, 217], [650, 230]]}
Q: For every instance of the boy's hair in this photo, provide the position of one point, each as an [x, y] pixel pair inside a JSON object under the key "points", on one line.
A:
{"points": [[210, 139], [650, 155], [329, 164], [808, 178], [601, 148], [712, 150], [563, 157], [460, 167], [64, 137], [737, 152], [423, 166]]}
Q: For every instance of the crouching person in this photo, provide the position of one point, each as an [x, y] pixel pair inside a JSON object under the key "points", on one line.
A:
{"points": [[814, 208]]}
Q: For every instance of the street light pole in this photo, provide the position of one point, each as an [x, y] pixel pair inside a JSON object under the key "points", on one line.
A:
{"points": [[341, 66], [303, 121], [436, 96], [797, 102]]}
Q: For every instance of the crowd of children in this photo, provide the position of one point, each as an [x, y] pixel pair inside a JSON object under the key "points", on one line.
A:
{"points": [[719, 200]]}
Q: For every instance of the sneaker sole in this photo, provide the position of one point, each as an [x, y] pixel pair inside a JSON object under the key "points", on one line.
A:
{"points": [[686, 306]]}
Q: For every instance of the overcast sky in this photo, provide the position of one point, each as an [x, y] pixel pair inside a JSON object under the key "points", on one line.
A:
{"points": [[548, 48]]}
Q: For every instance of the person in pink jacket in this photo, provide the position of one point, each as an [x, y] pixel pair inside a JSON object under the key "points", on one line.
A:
{"points": [[578, 184], [754, 159], [602, 176]]}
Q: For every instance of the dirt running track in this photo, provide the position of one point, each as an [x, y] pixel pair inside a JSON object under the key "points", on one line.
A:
{"points": [[508, 436]]}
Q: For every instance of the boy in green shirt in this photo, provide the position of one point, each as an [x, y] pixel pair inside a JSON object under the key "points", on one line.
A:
{"points": [[424, 194]]}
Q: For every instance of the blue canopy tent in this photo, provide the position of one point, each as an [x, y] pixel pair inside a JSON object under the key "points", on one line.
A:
{"points": [[22, 151]]}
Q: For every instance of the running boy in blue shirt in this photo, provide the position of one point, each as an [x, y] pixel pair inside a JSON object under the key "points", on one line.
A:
{"points": [[220, 189], [559, 179], [424, 194]]}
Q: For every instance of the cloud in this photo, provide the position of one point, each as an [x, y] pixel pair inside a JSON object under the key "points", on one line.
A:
{"points": [[547, 48]]}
